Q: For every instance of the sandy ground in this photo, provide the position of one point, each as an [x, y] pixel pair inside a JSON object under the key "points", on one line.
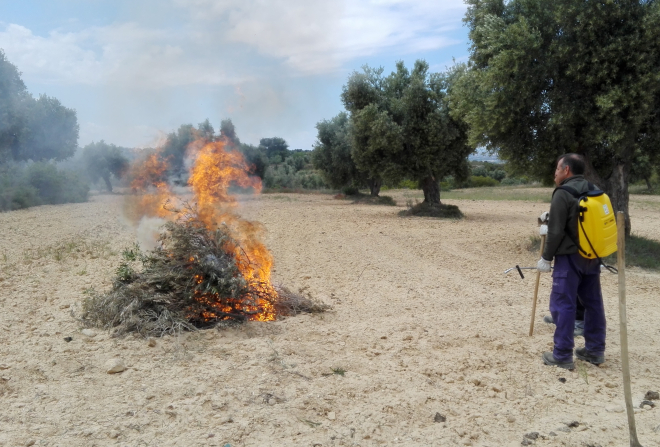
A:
{"points": [[424, 322]]}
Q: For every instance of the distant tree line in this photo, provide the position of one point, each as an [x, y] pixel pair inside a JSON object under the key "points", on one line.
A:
{"points": [[543, 79], [34, 132]]}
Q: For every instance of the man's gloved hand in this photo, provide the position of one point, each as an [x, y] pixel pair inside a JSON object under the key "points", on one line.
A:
{"points": [[544, 217], [543, 230], [543, 266]]}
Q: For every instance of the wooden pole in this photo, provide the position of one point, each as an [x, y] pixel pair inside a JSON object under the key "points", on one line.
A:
{"points": [[625, 366], [536, 291]]}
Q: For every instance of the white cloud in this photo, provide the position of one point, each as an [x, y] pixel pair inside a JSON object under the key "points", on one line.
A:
{"points": [[220, 43], [320, 36], [274, 66], [119, 54]]}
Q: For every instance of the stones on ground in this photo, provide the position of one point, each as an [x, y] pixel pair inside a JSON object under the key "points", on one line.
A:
{"points": [[88, 333], [646, 403], [151, 343], [657, 429], [652, 395], [564, 429], [439, 418], [562, 379], [552, 434], [572, 424], [30, 442], [114, 434], [615, 409], [532, 435], [4, 366], [332, 416], [511, 418], [68, 339], [114, 366], [526, 441], [610, 385]]}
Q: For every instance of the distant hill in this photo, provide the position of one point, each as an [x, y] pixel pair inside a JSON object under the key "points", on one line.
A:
{"points": [[485, 156]]}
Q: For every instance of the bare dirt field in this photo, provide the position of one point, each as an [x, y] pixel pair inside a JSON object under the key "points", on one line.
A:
{"points": [[431, 337]]}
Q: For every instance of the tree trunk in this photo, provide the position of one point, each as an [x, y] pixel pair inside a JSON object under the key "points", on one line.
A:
{"points": [[431, 189], [374, 186], [108, 185], [648, 183], [615, 186], [617, 189]]}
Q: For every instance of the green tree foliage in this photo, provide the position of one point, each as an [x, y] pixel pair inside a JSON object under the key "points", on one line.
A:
{"points": [[103, 161], [13, 100], [401, 127], [228, 133], [256, 157], [205, 131], [546, 78], [174, 149], [275, 148], [32, 129], [52, 131], [332, 153], [486, 169], [643, 167]]}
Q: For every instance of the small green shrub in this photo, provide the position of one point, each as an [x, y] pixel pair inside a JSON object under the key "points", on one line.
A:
{"points": [[15, 197], [445, 186], [371, 200], [286, 176], [38, 184], [534, 243], [409, 184], [477, 181], [425, 209], [350, 190], [640, 252]]}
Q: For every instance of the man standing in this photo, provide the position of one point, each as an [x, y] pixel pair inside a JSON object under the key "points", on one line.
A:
{"points": [[573, 275]]}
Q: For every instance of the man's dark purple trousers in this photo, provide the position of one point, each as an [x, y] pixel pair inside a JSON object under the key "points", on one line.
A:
{"points": [[574, 275]]}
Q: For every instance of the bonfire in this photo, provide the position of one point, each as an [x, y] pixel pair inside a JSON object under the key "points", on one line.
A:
{"points": [[209, 264]]}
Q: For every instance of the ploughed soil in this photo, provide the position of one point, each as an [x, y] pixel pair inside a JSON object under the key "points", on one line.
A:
{"points": [[426, 343]]}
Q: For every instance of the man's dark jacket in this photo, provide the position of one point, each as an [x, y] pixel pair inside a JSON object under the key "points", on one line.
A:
{"points": [[563, 224]]}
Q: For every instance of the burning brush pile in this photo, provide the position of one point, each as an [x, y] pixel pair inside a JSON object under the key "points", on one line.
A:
{"points": [[208, 266]]}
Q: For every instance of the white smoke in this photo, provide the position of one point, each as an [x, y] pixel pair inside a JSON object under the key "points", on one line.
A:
{"points": [[148, 232]]}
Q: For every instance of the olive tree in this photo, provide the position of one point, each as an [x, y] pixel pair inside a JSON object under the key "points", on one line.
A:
{"points": [[103, 161], [402, 128], [547, 78], [332, 153]]}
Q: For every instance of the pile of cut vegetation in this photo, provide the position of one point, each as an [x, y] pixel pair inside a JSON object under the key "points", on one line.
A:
{"points": [[426, 209], [191, 280]]}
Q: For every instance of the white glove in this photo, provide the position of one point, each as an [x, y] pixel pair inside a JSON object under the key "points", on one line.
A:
{"points": [[543, 266], [544, 217], [543, 230]]}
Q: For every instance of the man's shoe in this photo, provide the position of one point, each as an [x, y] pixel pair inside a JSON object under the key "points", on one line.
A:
{"points": [[585, 355], [550, 360], [548, 319]]}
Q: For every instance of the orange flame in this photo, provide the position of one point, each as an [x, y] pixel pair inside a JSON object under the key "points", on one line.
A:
{"points": [[150, 188], [214, 171]]}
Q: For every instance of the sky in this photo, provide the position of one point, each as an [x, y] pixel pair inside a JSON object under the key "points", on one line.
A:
{"points": [[135, 70]]}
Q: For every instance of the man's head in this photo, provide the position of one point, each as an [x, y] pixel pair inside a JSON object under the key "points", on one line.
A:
{"points": [[568, 165]]}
